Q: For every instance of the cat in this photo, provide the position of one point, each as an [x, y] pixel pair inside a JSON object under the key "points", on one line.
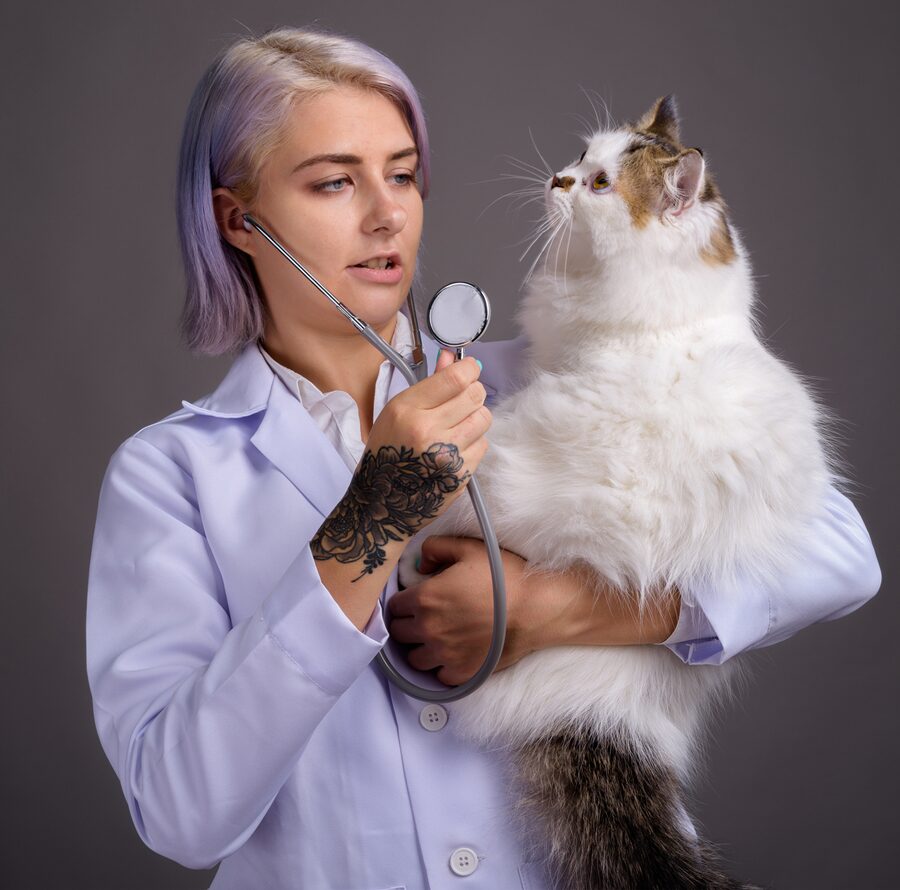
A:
{"points": [[656, 440]]}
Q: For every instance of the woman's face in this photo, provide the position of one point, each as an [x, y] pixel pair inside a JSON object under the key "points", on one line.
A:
{"points": [[334, 213]]}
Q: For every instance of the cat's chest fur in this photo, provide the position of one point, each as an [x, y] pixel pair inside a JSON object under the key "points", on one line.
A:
{"points": [[651, 456]]}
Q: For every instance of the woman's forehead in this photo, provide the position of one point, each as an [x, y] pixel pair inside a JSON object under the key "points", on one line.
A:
{"points": [[346, 120]]}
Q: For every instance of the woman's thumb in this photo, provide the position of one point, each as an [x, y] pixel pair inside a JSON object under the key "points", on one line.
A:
{"points": [[445, 358], [437, 550]]}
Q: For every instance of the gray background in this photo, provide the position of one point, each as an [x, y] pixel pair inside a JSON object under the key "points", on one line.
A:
{"points": [[795, 107]]}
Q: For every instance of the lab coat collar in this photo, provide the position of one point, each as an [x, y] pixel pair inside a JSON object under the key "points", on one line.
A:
{"points": [[287, 434], [245, 388]]}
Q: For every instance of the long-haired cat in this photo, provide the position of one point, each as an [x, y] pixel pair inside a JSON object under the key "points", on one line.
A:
{"points": [[658, 442]]}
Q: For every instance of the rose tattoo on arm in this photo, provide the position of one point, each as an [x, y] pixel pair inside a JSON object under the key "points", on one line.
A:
{"points": [[389, 497]]}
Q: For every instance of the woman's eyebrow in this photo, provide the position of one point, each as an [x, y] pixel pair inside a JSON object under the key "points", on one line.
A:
{"points": [[350, 159]]}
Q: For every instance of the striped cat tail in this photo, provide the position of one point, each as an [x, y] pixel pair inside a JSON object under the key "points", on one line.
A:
{"points": [[612, 818]]}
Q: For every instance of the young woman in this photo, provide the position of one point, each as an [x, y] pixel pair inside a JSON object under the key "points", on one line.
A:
{"points": [[240, 548]]}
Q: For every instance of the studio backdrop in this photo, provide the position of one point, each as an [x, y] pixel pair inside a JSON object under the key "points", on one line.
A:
{"points": [[794, 106]]}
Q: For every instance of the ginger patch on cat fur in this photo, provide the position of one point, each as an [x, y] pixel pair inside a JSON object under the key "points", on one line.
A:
{"points": [[655, 147]]}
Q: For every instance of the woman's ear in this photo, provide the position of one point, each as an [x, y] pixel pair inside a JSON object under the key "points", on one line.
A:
{"points": [[229, 215], [682, 180]]}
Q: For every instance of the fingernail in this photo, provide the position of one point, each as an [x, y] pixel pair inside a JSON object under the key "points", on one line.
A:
{"points": [[438, 355], [418, 560], [480, 366]]}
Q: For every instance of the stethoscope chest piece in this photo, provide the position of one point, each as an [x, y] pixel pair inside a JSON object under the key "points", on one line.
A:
{"points": [[458, 315]]}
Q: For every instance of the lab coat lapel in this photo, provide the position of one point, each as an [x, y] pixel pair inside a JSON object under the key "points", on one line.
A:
{"points": [[287, 434], [289, 437]]}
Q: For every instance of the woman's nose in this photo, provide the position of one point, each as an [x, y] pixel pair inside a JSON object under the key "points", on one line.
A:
{"points": [[386, 212]]}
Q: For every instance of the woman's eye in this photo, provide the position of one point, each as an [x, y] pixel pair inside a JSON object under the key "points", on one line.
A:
{"points": [[324, 186], [600, 183], [408, 178]]}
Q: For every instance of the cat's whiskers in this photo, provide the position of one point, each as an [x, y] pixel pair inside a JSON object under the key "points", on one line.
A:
{"points": [[531, 179], [526, 167], [556, 224], [542, 251], [610, 120], [529, 174], [539, 152], [529, 193], [596, 113], [544, 226], [565, 237], [524, 253], [588, 133], [566, 256]]}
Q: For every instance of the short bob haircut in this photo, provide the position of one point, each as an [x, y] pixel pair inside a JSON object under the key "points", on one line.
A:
{"points": [[235, 119]]}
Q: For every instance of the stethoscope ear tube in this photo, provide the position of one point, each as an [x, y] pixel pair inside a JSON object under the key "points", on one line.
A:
{"points": [[413, 375]]}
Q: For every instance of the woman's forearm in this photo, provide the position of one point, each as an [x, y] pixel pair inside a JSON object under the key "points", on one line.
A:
{"points": [[351, 563], [573, 608]]}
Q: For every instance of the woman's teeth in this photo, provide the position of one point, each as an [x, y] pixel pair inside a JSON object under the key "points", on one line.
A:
{"points": [[377, 264]]}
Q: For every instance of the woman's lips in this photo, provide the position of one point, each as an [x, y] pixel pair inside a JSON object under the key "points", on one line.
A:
{"points": [[381, 276]]}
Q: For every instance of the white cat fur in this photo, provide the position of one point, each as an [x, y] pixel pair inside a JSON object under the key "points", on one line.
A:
{"points": [[655, 439]]}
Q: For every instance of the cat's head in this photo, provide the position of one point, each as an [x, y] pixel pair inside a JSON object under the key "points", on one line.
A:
{"points": [[638, 189]]}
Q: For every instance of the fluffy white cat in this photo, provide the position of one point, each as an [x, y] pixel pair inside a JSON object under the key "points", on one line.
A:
{"points": [[658, 441]]}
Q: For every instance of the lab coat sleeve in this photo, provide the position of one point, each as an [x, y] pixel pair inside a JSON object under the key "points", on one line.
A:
{"points": [[201, 720], [838, 571]]}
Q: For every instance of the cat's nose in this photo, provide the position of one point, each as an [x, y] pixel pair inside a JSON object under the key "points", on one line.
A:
{"points": [[565, 183]]}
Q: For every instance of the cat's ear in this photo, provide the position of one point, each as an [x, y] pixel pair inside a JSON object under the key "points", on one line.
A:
{"points": [[661, 119], [683, 180]]}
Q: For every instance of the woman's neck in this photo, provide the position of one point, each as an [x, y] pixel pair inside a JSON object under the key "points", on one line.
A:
{"points": [[346, 362]]}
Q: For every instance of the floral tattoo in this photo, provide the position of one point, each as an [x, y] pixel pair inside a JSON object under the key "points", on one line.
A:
{"points": [[388, 498]]}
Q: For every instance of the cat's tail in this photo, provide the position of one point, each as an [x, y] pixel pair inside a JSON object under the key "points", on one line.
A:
{"points": [[611, 817]]}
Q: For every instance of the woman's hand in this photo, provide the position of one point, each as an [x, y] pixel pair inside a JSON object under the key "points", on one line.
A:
{"points": [[420, 455], [449, 616]]}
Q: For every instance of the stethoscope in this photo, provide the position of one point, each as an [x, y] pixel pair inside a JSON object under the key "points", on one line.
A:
{"points": [[458, 315]]}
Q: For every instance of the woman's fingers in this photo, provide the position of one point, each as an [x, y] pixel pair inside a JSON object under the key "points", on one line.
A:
{"points": [[448, 380], [404, 630]]}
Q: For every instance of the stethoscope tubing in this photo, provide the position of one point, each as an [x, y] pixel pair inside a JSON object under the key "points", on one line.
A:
{"points": [[413, 375]]}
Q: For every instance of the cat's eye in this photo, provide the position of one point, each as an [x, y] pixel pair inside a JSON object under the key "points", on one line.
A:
{"points": [[600, 183]]}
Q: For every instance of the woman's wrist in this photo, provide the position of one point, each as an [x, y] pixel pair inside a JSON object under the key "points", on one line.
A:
{"points": [[574, 608]]}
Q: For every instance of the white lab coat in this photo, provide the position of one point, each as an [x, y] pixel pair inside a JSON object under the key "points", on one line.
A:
{"points": [[243, 711]]}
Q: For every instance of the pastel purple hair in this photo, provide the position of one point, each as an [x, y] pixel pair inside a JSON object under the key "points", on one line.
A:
{"points": [[235, 119]]}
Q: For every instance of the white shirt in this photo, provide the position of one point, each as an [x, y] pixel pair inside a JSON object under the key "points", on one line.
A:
{"points": [[335, 412]]}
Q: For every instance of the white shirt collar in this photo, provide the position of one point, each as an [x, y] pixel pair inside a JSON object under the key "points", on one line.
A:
{"points": [[309, 394]]}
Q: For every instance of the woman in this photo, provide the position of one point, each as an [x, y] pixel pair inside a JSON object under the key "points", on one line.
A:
{"points": [[241, 543]]}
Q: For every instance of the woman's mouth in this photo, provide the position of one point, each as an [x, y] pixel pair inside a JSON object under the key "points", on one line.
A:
{"points": [[381, 269]]}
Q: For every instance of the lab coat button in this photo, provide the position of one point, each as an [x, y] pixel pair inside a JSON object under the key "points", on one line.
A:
{"points": [[433, 717], [463, 861]]}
